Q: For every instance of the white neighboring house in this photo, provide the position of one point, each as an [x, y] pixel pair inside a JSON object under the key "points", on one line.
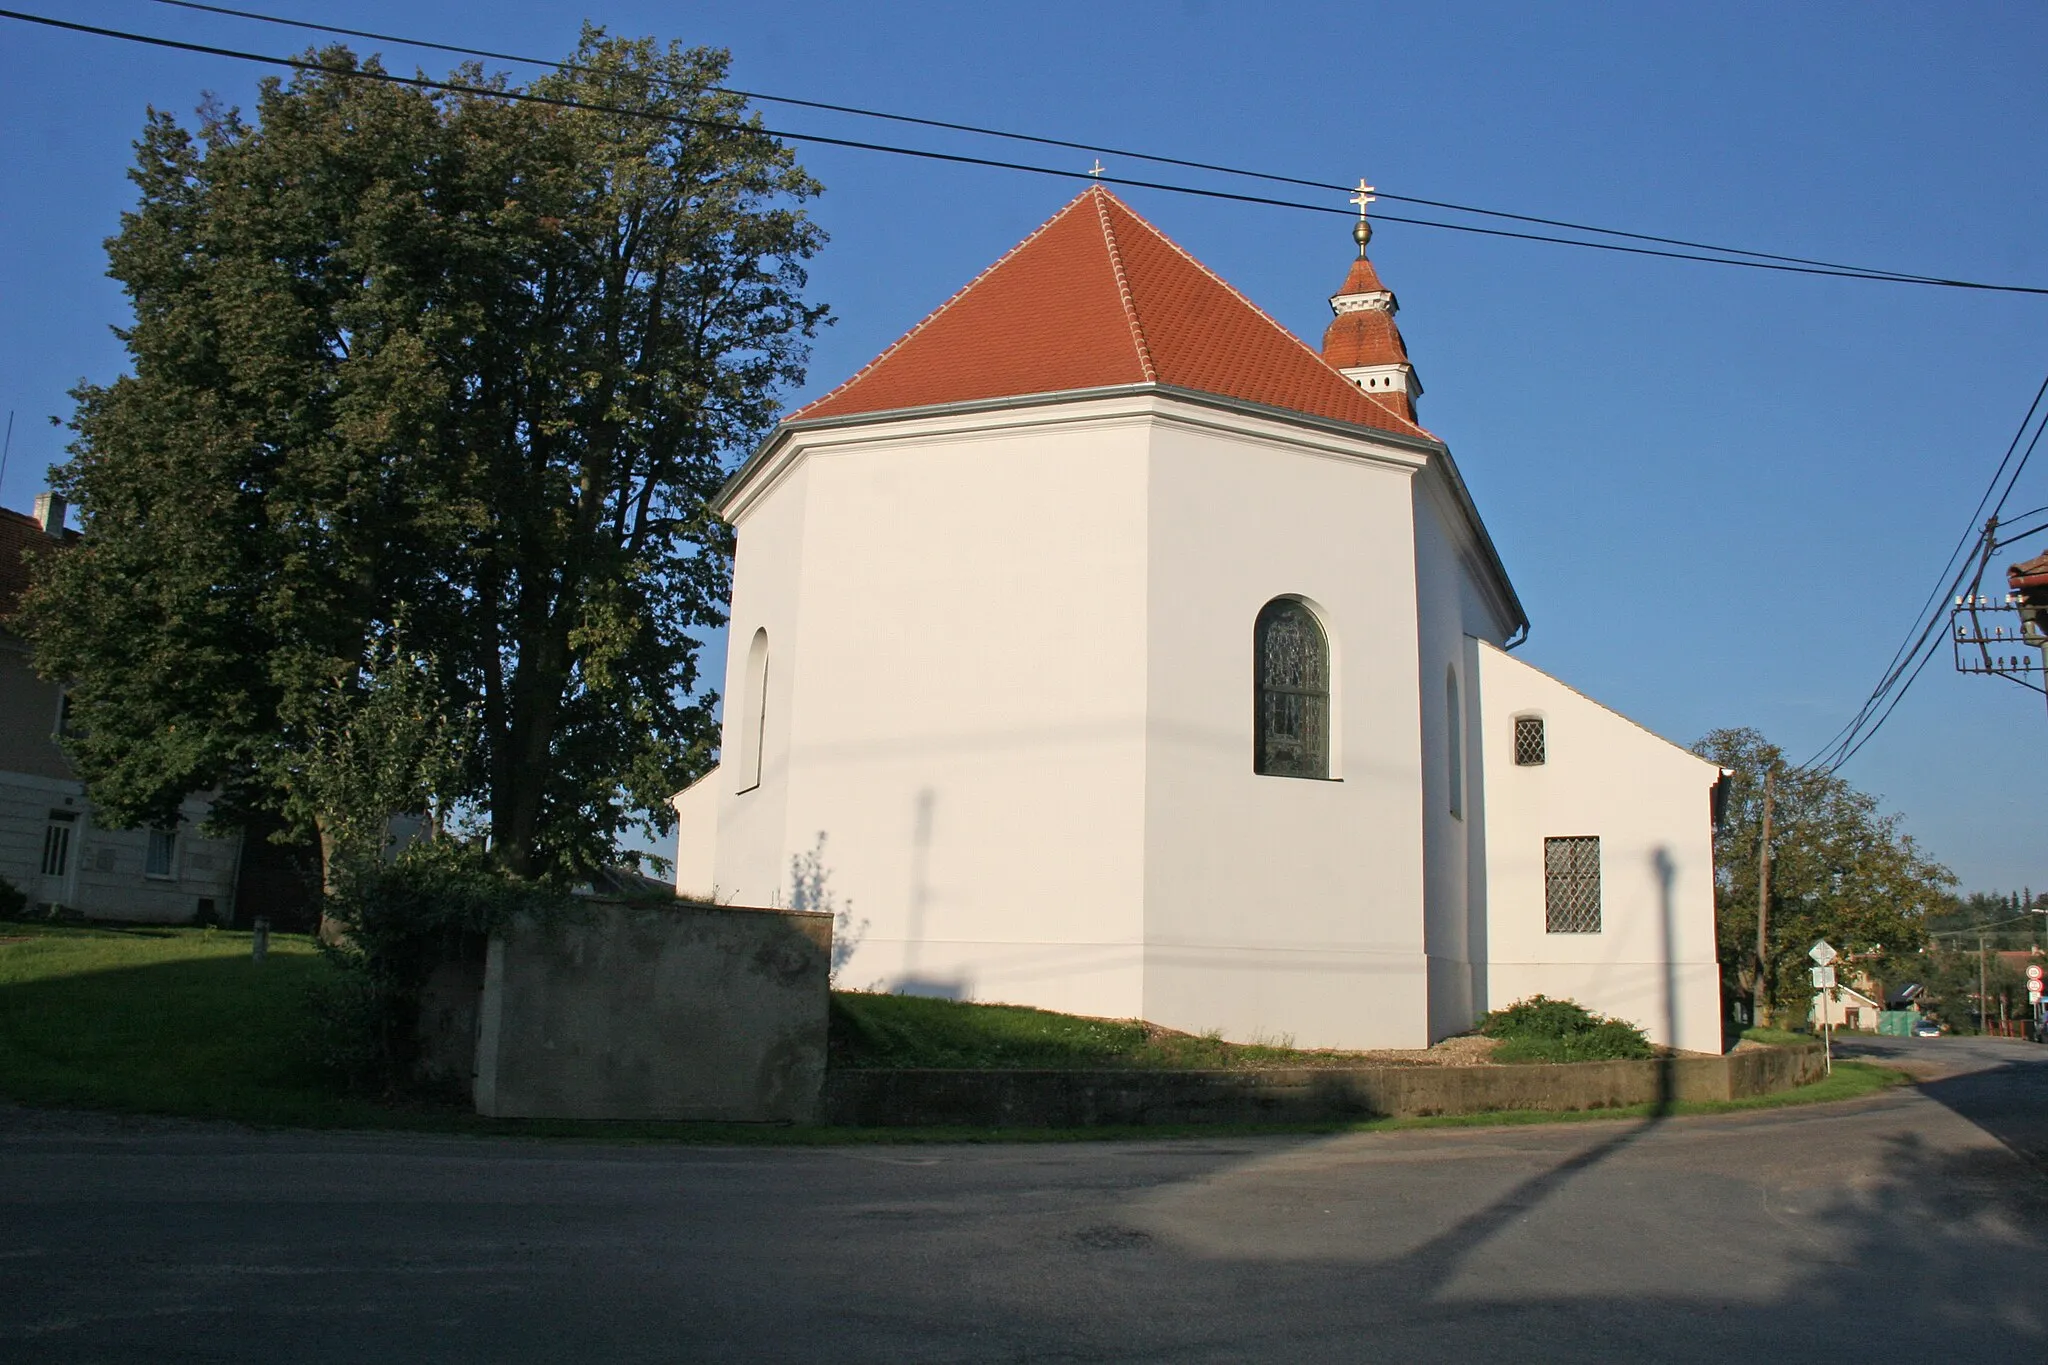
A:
{"points": [[1133, 659], [50, 848], [1845, 1008]]}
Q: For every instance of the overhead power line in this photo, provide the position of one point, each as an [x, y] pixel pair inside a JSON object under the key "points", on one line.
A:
{"points": [[464, 88], [1921, 644], [458, 49]]}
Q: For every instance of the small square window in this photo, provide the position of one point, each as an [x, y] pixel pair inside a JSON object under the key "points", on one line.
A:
{"points": [[1528, 741], [163, 850]]}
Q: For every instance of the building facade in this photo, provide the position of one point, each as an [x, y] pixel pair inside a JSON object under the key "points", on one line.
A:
{"points": [[1102, 647], [51, 849]]}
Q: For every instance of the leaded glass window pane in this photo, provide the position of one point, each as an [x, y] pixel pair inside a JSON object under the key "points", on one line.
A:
{"points": [[1529, 741], [1293, 722], [1571, 884]]}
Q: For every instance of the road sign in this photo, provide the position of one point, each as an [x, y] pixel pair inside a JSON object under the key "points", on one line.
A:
{"points": [[1823, 977], [1823, 952], [2034, 972]]}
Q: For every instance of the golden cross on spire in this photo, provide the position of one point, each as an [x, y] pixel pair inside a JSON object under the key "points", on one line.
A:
{"points": [[1361, 233]]}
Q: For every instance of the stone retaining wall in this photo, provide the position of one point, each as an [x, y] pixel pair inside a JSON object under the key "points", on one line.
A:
{"points": [[1081, 1099], [656, 1010]]}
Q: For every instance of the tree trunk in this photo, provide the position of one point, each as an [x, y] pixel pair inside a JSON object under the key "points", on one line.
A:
{"points": [[332, 931]]}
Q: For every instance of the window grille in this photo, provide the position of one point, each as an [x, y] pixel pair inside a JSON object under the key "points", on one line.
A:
{"points": [[1529, 741], [163, 847], [1571, 884], [1293, 722]]}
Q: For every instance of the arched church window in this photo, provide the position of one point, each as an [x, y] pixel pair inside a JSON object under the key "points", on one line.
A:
{"points": [[1454, 743], [754, 712], [1292, 734]]}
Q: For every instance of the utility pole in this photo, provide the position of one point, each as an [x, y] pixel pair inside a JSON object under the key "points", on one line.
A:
{"points": [[1983, 993], [1763, 907]]}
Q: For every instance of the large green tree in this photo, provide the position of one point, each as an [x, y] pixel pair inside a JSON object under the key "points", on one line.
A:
{"points": [[444, 378], [1841, 869]]}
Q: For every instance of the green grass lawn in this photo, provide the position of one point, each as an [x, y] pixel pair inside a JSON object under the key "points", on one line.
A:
{"points": [[1777, 1037], [892, 1031], [180, 1022], [162, 1021]]}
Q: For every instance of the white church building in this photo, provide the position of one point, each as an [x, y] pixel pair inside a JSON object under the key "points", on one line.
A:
{"points": [[1130, 658]]}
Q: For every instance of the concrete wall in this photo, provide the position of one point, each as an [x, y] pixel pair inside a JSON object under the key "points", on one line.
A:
{"points": [[1078, 1099], [1649, 802], [1281, 907], [637, 1011]]}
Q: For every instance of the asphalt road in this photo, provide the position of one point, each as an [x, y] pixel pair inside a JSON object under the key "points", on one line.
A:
{"points": [[1912, 1225]]}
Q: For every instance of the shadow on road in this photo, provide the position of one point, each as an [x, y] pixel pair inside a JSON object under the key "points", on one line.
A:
{"points": [[2000, 1085]]}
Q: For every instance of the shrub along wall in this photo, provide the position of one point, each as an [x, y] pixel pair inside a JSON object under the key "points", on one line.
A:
{"points": [[1081, 1099]]}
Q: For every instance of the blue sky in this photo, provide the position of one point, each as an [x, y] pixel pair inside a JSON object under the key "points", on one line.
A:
{"points": [[1721, 493]]}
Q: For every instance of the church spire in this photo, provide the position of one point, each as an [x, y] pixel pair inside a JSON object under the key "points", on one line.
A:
{"points": [[1362, 342]]}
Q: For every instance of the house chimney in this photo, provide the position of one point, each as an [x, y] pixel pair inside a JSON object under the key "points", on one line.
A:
{"points": [[50, 513]]}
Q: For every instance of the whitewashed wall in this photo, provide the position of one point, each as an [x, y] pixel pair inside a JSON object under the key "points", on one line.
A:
{"points": [[956, 611], [1010, 684], [696, 808], [1281, 907], [1450, 609], [1649, 801]]}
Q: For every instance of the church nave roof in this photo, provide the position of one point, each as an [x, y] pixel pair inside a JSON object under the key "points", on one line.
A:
{"points": [[1098, 297]]}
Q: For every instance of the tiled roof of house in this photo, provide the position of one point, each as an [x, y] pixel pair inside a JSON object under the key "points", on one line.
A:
{"points": [[1099, 297], [2028, 573], [20, 536]]}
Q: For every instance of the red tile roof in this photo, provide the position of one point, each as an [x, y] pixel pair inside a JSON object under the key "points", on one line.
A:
{"points": [[1363, 279], [1098, 297], [1365, 336], [21, 536]]}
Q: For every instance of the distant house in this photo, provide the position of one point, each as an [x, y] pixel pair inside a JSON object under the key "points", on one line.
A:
{"points": [[1847, 1008], [50, 847]]}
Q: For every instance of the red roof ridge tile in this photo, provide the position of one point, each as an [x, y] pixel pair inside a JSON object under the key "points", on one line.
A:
{"points": [[962, 292], [1102, 199], [1402, 422]]}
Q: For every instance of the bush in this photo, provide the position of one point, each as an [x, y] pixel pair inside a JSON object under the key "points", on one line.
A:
{"points": [[1539, 1017], [1540, 1029], [13, 904], [437, 902]]}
